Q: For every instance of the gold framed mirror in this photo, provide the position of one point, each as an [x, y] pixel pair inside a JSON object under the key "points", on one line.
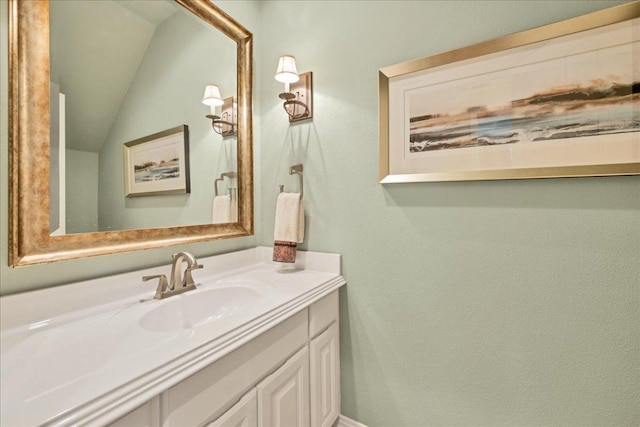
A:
{"points": [[30, 238]]}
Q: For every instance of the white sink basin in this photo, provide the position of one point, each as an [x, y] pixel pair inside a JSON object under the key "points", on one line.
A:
{"points": [[197, 307]]}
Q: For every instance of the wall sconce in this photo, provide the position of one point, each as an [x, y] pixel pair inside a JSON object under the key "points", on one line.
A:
{"points": [[225, 123], [298, 90]]}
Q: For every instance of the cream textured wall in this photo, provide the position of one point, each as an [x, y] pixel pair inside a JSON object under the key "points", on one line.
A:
{"points": [[503, 303], [33, 277]]}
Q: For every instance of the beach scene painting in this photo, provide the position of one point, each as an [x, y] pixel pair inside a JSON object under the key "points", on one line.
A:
{"points": [[158, 163], [589, 94]]}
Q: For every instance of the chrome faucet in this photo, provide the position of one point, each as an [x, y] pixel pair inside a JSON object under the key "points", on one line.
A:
{"points": [[178, 284]]}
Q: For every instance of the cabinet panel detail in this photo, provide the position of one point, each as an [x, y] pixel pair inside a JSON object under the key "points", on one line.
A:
{"points": [[283, 397], [242, 414], [324, 355]]}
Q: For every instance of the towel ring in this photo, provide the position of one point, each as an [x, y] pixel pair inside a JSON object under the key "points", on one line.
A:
{"points": [[296, 170], [229, 175]]}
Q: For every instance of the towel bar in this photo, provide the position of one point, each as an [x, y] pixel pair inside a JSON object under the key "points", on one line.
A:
{"points": [[222, 176], [297, 170]]}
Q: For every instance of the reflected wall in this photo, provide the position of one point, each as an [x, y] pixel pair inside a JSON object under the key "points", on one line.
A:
{"points": [[144, 72]]}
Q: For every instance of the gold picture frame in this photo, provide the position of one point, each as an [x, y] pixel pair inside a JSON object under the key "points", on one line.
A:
{"points": [[427, 106]]}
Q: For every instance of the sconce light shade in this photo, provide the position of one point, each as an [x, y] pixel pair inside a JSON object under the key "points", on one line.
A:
{"points": [[287, 72], [212, 96]]}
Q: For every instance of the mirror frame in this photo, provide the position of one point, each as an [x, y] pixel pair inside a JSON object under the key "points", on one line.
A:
{"points": [[30, 241]]}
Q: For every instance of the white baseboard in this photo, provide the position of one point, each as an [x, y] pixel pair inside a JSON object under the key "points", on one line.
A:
{"points": [[347, 422]]}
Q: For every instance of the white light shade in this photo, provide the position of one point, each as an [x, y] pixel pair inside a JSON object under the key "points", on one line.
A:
{"points": [[212, 96], [287, 72]]}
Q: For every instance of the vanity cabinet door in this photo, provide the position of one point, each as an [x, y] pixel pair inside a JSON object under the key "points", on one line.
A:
{"points": [[207, 394], [242, 414], [324, 355], [283, 397]]}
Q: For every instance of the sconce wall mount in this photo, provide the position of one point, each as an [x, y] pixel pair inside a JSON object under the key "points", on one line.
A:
{"points": [[298, 102], [226, 123], [298, 90]]}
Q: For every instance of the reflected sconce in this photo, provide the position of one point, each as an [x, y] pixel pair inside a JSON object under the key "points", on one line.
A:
{"points": [[224, 124], [298, 90]]}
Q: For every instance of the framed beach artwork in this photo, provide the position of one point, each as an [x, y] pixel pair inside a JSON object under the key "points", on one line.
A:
{"points": [[158, 163], [561, 100]]}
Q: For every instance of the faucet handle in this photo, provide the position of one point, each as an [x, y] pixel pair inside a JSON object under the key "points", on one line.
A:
{"points": [[188, 278], [163, 285]]}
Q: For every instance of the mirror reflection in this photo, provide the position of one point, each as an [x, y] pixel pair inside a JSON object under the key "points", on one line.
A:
{"points": [[131, 146]]}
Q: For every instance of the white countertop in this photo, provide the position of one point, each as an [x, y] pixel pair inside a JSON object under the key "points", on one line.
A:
{"points": [[77, 354]]}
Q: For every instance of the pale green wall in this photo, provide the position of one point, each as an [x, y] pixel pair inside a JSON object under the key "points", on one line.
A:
{"points": [[191, 56], [28, 278], [81, 191], [476, 303]]}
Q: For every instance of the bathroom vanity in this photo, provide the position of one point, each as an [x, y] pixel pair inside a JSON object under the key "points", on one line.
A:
{"points": [[255, 344]]}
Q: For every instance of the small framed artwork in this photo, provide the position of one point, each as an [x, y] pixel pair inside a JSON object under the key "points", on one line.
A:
{"points": [[158, 163], [562, 100]]}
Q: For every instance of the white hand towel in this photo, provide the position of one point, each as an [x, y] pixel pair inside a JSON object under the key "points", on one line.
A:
{"points": [[233, 216], [289, 218], [221, 209], [234, 205]]}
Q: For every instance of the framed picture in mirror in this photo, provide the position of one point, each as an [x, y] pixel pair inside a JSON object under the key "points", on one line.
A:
{"points": [[157, 163]]}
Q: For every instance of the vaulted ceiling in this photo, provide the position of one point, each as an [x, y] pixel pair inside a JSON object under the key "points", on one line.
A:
{"points": [[96, 48]]}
